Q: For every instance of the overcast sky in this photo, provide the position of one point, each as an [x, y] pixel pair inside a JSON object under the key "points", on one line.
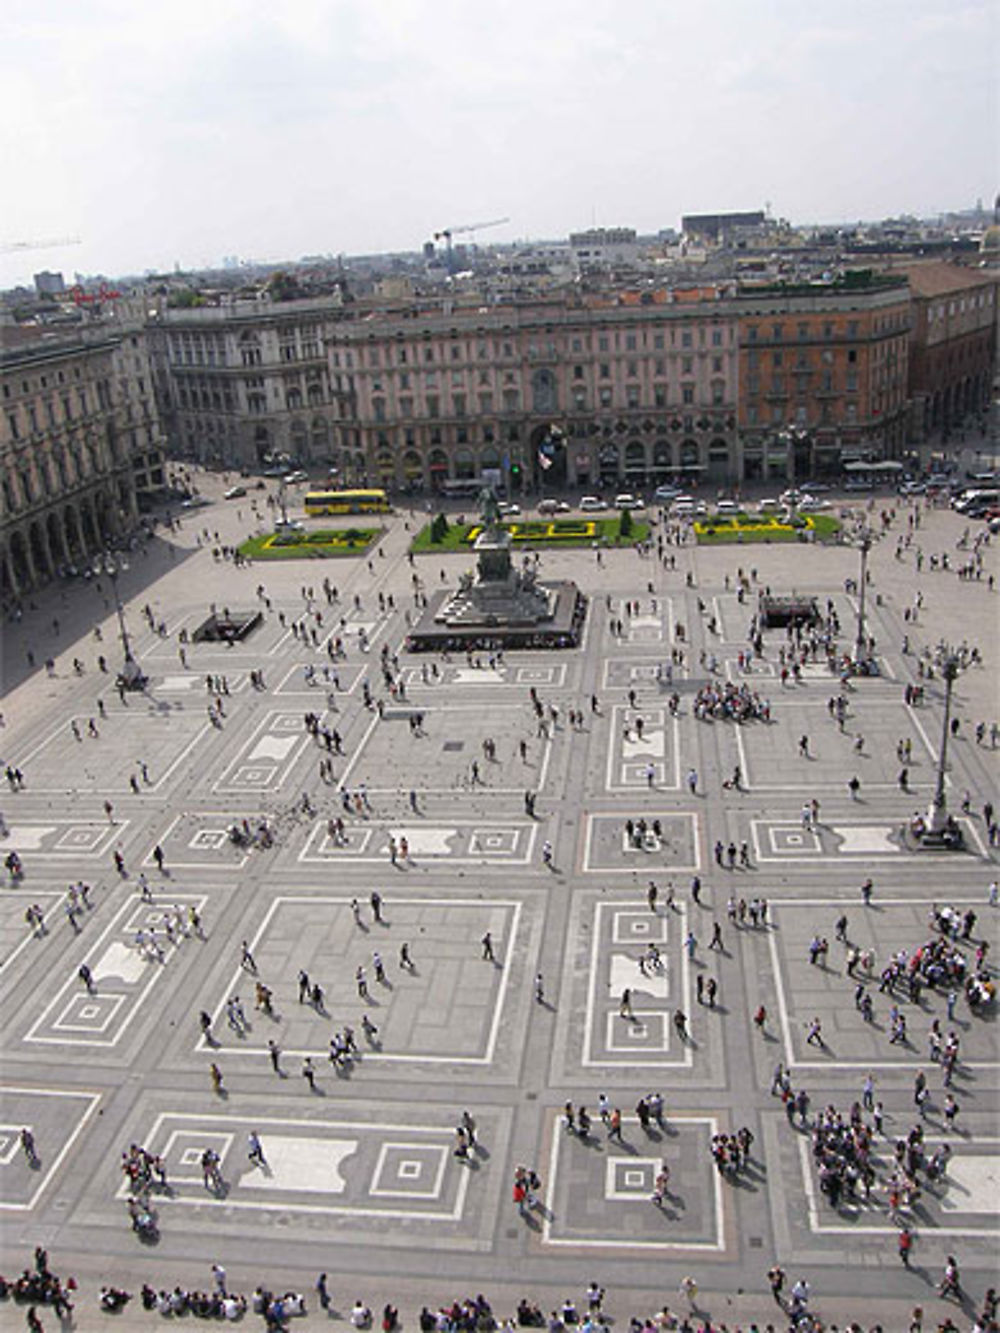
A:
{"points": [[188, 130]]}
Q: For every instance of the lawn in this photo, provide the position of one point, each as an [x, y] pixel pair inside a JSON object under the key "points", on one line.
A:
{"points": [[318, 545], [539, 533], [744, 529]]}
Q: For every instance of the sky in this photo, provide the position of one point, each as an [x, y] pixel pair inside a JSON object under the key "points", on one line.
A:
{"points": [[166, 134]]}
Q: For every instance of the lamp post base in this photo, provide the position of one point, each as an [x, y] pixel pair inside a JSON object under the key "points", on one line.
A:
{"points": [[131, 675], [947, 838]]}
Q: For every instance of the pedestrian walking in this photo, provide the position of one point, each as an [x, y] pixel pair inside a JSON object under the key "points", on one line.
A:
{"points": [[487, 943], [905, 1245]]}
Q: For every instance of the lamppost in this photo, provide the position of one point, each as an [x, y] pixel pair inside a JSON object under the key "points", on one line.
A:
{"points": [[864, 546], [941, 831], [111, 565]]}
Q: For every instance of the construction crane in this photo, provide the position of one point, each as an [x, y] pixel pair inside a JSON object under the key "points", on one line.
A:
{"points": [[7, 247], [447, 233]]}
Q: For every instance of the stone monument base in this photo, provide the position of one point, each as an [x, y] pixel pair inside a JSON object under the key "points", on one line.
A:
{"points": [[436, 631]]}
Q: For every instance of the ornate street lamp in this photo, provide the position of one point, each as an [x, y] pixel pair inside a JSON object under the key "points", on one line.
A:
{"points": [[864, 546], [111, 565], [941, 829]]}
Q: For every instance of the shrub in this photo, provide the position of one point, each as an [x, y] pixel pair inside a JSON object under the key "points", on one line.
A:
{"points": [[625, 524], [439, 528]]}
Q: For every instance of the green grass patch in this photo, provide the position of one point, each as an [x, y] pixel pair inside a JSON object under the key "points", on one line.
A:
{"points": [[744, 529], [320, 544], [532, 532]]}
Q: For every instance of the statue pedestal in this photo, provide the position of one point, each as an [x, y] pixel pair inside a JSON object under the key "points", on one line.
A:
{"points": [[501, 606]]}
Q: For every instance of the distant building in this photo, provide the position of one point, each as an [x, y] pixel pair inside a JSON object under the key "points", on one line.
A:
{"points": [[719, 227], [603, 247], [49, 284]]}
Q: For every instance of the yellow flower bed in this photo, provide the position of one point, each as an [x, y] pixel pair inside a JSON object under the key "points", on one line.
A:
{"points": [[751, 526]]}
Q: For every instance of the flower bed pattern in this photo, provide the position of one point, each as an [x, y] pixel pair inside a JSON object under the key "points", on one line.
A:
{"points": [[319, 544], [762, 528]]}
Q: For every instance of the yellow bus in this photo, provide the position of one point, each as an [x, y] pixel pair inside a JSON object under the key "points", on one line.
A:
{"points": [[346, 502]]}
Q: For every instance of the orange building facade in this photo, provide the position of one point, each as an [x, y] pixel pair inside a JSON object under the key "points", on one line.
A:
{"points": [[822, 376]]}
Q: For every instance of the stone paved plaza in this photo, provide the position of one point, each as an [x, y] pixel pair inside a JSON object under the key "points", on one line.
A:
{"points": [[360, 1177]]}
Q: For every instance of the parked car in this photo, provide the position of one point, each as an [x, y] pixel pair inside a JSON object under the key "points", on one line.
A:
{"points": [[727, 507], [553, 506], [664, 494], [235, 493], [768, 506], [684, 507], [289, 525], [195, 502], [508, 509], [629, 501], [791, 497], [592, 503], [297, 475], [812, 504]]}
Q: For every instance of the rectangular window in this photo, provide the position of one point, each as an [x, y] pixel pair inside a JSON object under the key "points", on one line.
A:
{"points": [[852, 328], [852, 355], [658, 342], [632, 396], [602, 344], [579, 400], [605, 397], [632, 369], [776, 331], [852, 381], [578, 372], [433, 405], [486, 403], [458, 404], [687, 365], [687, 394], [716, 337], [803, 332], [630, 342], [716, 365], [605, 371], [660, 397]]}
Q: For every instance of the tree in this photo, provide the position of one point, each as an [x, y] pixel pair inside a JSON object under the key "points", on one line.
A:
{"points": [[625, 525], [439, 528]]}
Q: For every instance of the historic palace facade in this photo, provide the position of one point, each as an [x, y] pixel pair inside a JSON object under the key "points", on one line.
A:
{"points": [[616, 389], [79, 439]]}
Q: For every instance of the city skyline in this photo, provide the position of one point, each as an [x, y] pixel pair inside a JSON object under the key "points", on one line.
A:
{"points": [[343, 128]]}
